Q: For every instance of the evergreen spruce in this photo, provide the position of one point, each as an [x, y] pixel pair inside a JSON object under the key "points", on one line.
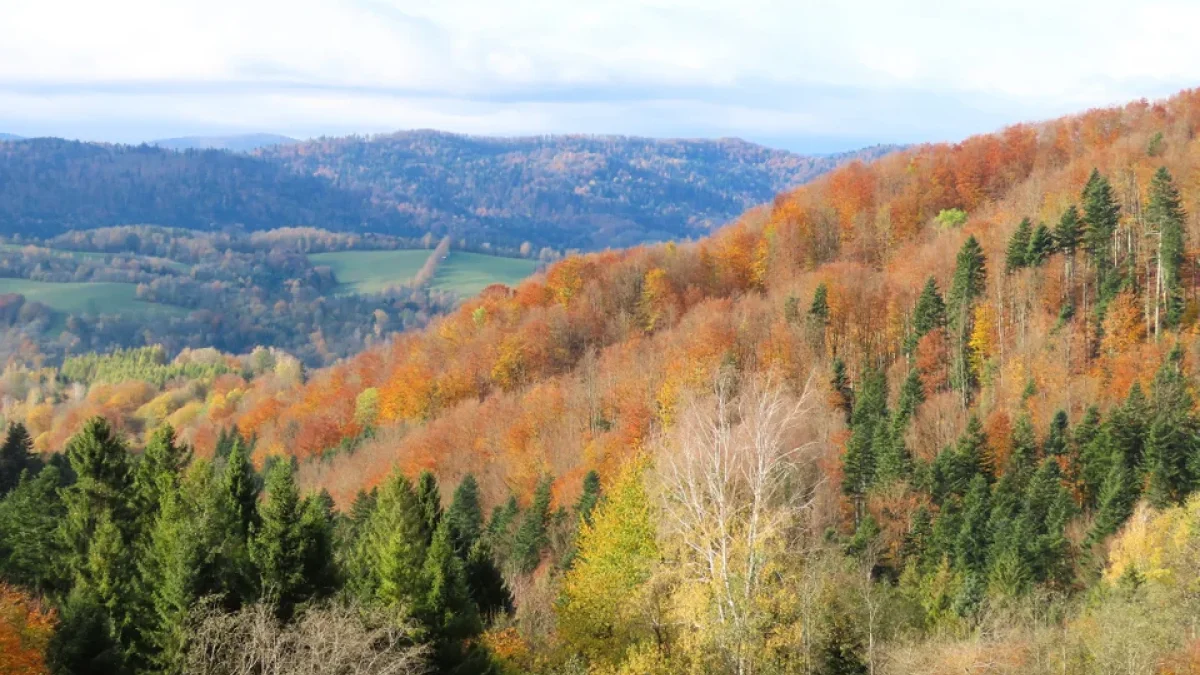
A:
{"points": [[588, 498], [1101, 214], [277, 541], [465, 516], [16, 457], [1016, 256], [970, 280], [429, 496], [843, 394], [1041, 246], [530, 537], [928, 315], [31, 551], [1165, 214], [1068, 230]]}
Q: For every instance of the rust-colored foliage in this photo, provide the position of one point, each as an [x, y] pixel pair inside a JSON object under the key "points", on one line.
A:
{"points": [[25, 630]]}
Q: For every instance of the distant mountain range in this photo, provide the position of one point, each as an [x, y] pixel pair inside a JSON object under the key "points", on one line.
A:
{"points": [[557, 191], [10, 137], [234, 143]]}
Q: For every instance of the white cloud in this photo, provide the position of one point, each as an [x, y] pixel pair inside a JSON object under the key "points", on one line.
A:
{"points": [[767, 67]]}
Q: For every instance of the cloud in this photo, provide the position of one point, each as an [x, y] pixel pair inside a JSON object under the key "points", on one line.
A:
{"points": [[762, 69]]}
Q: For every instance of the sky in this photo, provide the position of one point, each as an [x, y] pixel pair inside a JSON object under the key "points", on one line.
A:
{"points": [[806, 75]]}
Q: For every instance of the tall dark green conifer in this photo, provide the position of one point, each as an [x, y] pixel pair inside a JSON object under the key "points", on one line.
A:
{"points": [[970, 280], [465, 516], [1102, 215], [843, 394], [277, 541], [429, 496], [928, 315], [530, 537], [1016, 256], [16, 457], [1041, 246], [1165, 214]]}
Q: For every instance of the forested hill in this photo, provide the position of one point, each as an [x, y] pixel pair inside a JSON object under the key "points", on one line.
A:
{"points": [[49, 186], [555, 192], [576, 191]]}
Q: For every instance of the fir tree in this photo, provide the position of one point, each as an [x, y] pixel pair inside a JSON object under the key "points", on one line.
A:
{"points": [[317, 526], [16, 457], [158, 472], [1171, 441], [1117, 497], [970, 279], [843, 394], [928, 315], [1092, 457], [530, 537], [1023, 459], [390, 554], [912, 395], [971, 545], [1067, 232], [842, 649], [1041, 246], [1126, 428], [1016, 256], [588, 498], [1165, 214], [30, 548], [465, 516], [277, 543], [429, 496], [870, 410], [818, 311], [446, 610], [1102, 215], [1055, 444], [240, 485]]}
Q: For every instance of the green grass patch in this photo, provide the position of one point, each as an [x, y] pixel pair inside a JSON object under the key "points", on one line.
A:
{"points": [[468, 273], [371, 271], [88, 297], [462, 273]]}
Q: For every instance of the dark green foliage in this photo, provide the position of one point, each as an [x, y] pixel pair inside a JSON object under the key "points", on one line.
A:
{"points": [[1171, 441], [1016, 256], [818, 311], [486, 583], [1023, 458], [1041, 246], [1165, 213], [971, 545], [912, 395], [31, 552], [429, 496], [1115, 502], [1055, 444], [861, 457], [955, 468], [390, 552], [1101, 213], [1091, 456], [970, 280], [83, 642], [241, 486], [447, 610], [928, 315], [16, 457], [588, 497], [840, 383], [277, 541], [1068, 231], [465, 516], [530, 537], [317, 525], [1126, 428]]}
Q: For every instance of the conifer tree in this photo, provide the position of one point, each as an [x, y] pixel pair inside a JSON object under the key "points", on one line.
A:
{"points": [[818, 311], [1171, 441], [1048, 508], [1067, 232], [1023, 460], [30, 548], [1092, 457], [465, 516], [158, 472], [317, 525], [277, 543], [1117, 497], [588, 497], [971, 545], [429, 496], [1126, 428], [240, 485], [390, 553], [1165, 214], [1016, 256], [16, 457], [1102, 215], [929, 314], [530, 537], [1041, 246], [1055, 444], [912, 395], [970, 279], [870, 410], [446, 610], [843, 394]]}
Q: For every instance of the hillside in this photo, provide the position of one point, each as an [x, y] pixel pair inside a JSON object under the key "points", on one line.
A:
{"points": [[49, 186], [554, 193], [234, 143], [573, 191], [934, 413]]}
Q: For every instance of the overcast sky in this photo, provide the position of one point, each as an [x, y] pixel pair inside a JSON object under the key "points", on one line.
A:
{"points": [[803, 74]]}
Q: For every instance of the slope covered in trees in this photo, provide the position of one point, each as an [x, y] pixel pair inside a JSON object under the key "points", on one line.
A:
{"points": [[572, 191], [556, 192], [930, 414]]}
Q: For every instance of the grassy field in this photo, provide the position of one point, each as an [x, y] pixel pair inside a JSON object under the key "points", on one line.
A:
{"points": [[469, 273], [90, 298], [463, 273]]}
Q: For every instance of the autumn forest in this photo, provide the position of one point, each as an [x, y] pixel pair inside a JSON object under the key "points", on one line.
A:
{"points": [[931, 413]]}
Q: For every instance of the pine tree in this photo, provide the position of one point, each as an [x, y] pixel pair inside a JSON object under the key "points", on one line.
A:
{"points": [[912, 395], [530, 537], [818, 311], [870, 410], [158, 472], [891, 455], [1055, 444], [1172, 439], [970, 280], [1126, 428], [277, 543], [1102, 215], [1047, 510], [1016, 256], [1023, 460], [843, 394], [971, 545], [446, 610], [30, 548], [1117, 497], [842, 650], [1041, 246], [465, 516], [928, 315], [16, 457], [1092, 457], [429, 496], [486, 583], [390, 554], [317, 526], [1067, 232], [1165, 214], [240, 484], [588, 498]]}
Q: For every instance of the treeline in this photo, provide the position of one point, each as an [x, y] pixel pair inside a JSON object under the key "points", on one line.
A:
{"points": [[147, 557]]}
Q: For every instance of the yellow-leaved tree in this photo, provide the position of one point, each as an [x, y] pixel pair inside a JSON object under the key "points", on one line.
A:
{"points": [[602, 610]]}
